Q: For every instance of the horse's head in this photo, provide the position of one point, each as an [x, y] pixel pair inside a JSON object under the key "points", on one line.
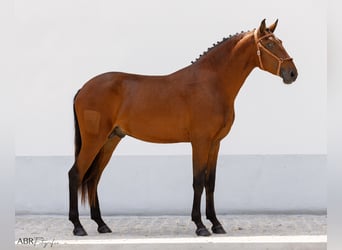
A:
{"points": [[272, 56]]}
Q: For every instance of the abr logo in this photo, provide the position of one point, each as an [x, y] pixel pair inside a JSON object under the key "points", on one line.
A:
{"points": [[26, 241]]}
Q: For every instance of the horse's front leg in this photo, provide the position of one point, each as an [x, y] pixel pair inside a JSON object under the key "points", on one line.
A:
{"points": [[200, 151], [210, 188]]}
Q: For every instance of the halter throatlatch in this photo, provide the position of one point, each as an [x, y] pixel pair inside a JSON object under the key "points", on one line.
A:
{"points": [[261, 46]]}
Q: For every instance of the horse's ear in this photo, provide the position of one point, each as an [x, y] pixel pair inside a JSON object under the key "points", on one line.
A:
{"points": [[273, 26], [262, 27]]}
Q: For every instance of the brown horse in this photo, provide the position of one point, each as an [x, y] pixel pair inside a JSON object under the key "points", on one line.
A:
{"points": [[194, 104]]}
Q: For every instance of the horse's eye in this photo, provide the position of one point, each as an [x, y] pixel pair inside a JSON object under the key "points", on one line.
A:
{"points": [[270, 45]]}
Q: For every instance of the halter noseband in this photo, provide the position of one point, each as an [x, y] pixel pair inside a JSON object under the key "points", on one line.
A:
{"points": [[261, 46]]}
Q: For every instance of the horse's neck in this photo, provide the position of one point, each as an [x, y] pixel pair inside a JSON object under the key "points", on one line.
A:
{"points": [[239, 65], [234, 65]]}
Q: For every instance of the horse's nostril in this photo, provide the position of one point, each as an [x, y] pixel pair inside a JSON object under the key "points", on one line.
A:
{"points": [[292, 74]]}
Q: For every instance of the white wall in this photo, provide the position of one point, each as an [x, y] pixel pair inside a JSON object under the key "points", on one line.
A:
{"points": [[61, 44], [273, 159]]}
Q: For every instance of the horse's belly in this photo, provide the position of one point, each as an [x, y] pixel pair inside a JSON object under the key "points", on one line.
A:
{"points": [[165, 127], [158, 132]]}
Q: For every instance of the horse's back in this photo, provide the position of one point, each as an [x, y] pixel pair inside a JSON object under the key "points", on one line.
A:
{"points": [[151, 108]]}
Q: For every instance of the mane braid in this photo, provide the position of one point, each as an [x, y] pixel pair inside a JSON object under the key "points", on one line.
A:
{"points": [[216, 44]]}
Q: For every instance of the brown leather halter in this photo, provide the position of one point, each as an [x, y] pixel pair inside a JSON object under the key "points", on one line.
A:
{"points": [[261, 46]]}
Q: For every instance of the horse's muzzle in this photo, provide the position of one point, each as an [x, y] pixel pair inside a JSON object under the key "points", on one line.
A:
{"points": [[289, 75]]}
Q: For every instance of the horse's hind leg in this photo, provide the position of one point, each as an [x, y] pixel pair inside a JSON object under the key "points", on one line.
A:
{"points": [[73, 201], [96, 216], [103, 158], [77, 174]]}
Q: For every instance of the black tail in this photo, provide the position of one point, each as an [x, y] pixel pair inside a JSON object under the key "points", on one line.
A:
{"points": [[78, 144], [78, 141]]}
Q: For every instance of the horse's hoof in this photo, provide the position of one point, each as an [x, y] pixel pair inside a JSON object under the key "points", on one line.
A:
{"points": [[104, 229], [79, 231], [218, 229], [202, 232]]}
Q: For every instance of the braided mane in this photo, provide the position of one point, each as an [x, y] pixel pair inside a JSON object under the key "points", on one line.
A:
{"points": [[230, 37]]}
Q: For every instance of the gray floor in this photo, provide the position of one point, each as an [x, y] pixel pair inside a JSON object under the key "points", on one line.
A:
{"points": [[174, 232]]}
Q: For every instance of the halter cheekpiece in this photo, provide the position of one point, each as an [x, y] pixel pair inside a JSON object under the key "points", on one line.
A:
{"points": [[261, 46]]}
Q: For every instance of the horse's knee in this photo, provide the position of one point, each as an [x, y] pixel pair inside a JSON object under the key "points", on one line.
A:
{"points": [[198, 182], [210, 188], [73, 174]]}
